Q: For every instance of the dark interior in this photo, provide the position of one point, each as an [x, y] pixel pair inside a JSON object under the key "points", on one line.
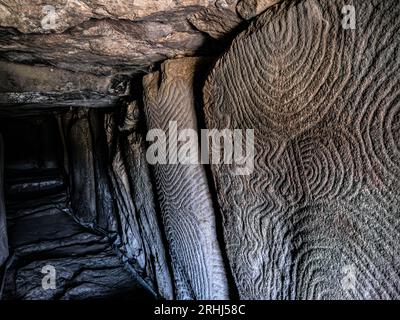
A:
{"points": [[33, 158], [42, 226]]}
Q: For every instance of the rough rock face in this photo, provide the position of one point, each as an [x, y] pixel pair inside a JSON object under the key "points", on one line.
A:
{"points": [[38, 16], [185, 200], [141, 240], [219, 21], [86, 266], [3, 229], [90, 191], [34, 90], [42, 221], [20, 78], [319, 217], [250, 8], [108, 46], [103, 37]]}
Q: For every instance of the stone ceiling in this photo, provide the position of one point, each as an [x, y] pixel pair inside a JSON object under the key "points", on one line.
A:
{"points": [[122, 36]]}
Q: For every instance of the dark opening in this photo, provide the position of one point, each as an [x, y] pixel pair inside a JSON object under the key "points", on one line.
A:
{"points": [[33, 158], [43, 230]]}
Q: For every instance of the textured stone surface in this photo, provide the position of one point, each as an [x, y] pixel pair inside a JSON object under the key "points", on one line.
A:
{"points": [[36, 102], [70, 13], [24, 78], [219, 21], [105, 46], [141, 241], [183, 193], [90, 194], [3, 228], [106, 37], [69, 226], [248, 9], [37, 89], [319, 217], [86, 265]]}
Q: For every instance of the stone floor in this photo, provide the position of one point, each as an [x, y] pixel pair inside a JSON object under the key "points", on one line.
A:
{"points": [[41, 235]]}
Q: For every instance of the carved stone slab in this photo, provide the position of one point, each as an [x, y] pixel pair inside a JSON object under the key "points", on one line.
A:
{"points": [[319, 217], [183, 191]]}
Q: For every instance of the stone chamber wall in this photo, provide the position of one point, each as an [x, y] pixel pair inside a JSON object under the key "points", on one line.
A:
{"points": [[84, 82]]}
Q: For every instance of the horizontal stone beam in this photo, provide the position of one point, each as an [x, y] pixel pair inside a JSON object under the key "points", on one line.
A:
{"points": [[12, 101], [44, 87], [16, 77]]}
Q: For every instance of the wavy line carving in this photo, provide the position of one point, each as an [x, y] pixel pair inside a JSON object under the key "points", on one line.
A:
{"points": [[184, 196], [319, 217]]}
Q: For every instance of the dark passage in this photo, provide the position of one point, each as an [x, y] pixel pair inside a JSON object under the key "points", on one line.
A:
{"points": [[42, 232]]}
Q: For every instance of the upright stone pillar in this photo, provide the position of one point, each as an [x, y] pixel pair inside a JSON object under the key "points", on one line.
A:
{"points": [[183, 192]]}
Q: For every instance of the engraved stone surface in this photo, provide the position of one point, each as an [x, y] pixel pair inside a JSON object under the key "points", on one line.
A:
{"points": [[184, 196], [82, 82], [319, 217]]}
